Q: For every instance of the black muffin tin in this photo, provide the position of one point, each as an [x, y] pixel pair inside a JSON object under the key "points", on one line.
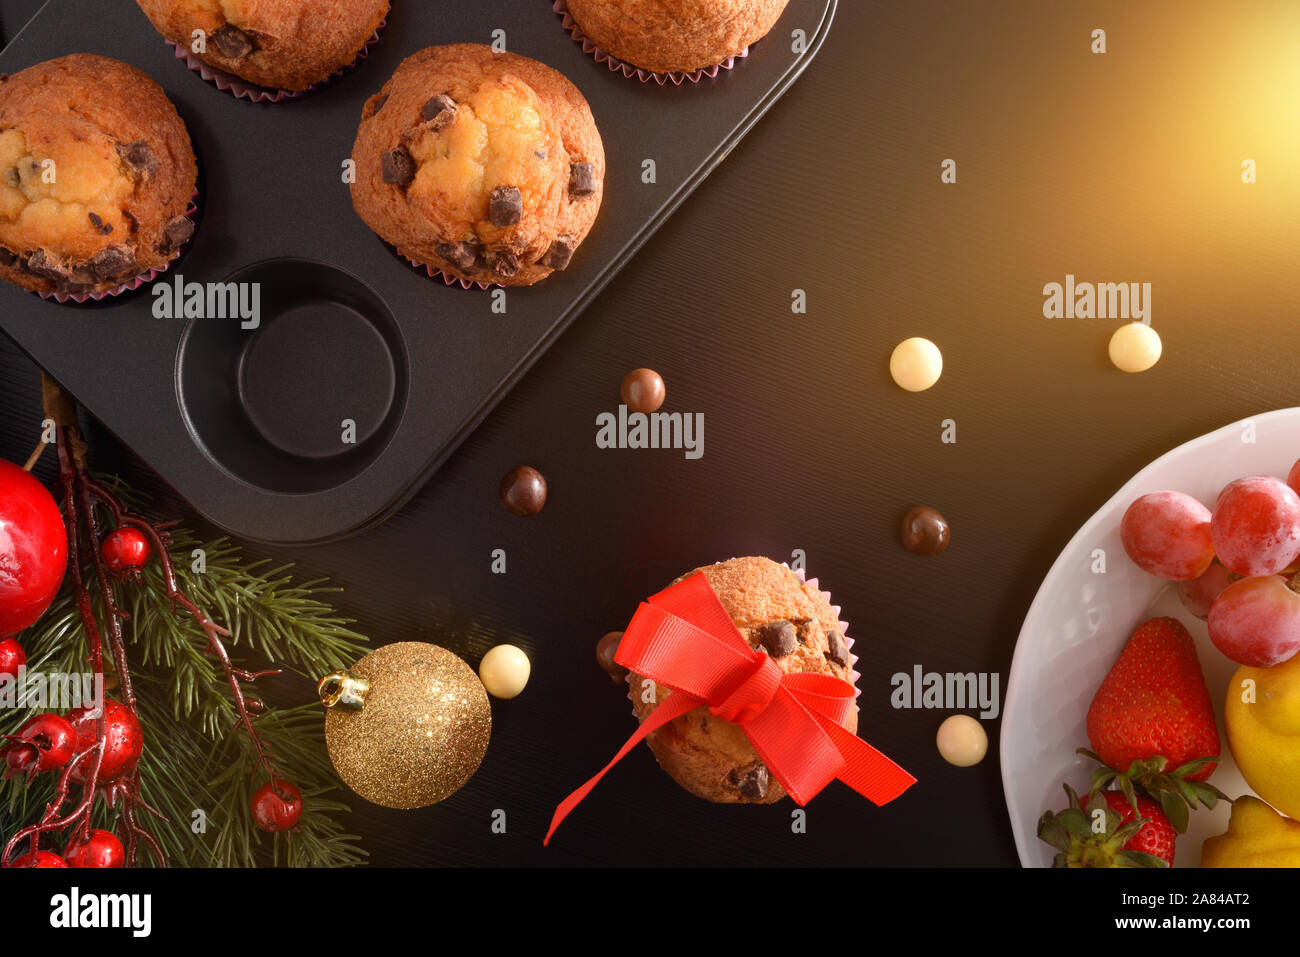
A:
{"points": [[248, 424]]}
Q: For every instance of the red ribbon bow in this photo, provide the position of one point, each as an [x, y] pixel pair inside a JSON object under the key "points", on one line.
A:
{"points": [[684, 639]]}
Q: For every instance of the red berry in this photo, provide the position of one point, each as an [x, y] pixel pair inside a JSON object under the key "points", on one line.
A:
{"points": [[123, 744], [1168, 534], [1256, 525], [12, 657], [277, 806], [101, 850], [43, 743], [126, 551], [1156, 837], [39, 859], [1088, 836], [33, 549]]}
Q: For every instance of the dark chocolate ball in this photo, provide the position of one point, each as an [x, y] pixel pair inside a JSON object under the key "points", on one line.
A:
{"points": [[523, 491], [606, 648], [643, 390], [925, 531]]}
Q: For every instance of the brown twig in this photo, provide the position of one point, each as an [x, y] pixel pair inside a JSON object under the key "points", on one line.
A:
{"points": [[234, 676], [35, 456], [83, 498]]}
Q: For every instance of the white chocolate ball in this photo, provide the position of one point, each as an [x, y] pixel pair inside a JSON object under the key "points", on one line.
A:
{"points": [[916, 364], [962, 741], [504, 671], [1135, 347]]}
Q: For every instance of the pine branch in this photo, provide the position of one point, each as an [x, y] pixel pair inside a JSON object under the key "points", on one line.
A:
{"points": [[195, 757]]}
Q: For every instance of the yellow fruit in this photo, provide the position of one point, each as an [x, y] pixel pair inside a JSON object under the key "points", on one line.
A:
{"points": [[1257, 836], [1262, 716]]}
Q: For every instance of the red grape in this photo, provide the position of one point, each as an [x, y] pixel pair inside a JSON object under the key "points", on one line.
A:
{"points": [[1256, 621], [1168, 534], [1293, 478], [1198, 595], [1256, 526]]}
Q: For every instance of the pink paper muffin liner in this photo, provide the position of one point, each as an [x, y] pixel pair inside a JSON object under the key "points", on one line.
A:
{"points": [[241, 88], [844, 625], [633, 72], [433, 272], [135, 282]]}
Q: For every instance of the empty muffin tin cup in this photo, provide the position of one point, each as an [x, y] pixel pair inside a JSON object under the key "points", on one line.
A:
{"points": [[295, 379]]}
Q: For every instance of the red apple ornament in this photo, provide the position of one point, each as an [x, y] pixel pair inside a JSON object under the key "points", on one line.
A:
{"points": [[33, 549]]}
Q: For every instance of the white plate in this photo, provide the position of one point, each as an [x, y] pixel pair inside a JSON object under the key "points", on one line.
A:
{"points": [[1080, 621]]}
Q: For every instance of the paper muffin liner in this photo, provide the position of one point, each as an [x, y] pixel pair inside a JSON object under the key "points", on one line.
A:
{"points": [[634, 72], [433, 272], [844, 625], [238, 87], [844, 631], [135, 282]]}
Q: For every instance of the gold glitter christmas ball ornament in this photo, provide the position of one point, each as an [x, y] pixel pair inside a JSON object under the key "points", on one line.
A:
{"points": [[407, 725]]}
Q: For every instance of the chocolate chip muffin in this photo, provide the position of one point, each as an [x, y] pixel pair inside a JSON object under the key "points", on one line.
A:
{"points": [[282, 44], [96, 174], [675, 36], [794, 624], [487, 166]]}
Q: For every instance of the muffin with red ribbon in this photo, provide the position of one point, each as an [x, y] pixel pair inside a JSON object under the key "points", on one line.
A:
{"points": [[794, 624]]}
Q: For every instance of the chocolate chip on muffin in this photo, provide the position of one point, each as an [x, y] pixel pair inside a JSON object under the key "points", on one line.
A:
{"points": [[177, 233], [41, 263], [439, 111], [506, 206], [560, 254], [778, 637], [750, 782], [503, 263], [139, 158], [491, 140], [461, 255], [582, 180], [399, 168], [284, 45], [231, 42], [113, 261], [837, 651]]}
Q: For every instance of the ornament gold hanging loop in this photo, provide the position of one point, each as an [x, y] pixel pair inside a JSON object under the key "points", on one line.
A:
{"points": [[343, 690]]}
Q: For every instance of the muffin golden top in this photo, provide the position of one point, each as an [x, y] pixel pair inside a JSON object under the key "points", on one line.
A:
{"points": [[284, 44], [675, 36], [487, 165], [96, 173]]}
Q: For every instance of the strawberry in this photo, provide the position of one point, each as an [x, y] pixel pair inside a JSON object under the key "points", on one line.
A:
{"points": [[1152, 722], [1156, 837], [1121, 836], [1154, 702]]}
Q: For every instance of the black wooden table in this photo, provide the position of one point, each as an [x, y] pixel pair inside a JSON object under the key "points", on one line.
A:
{"points": [[1115, 167]]}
